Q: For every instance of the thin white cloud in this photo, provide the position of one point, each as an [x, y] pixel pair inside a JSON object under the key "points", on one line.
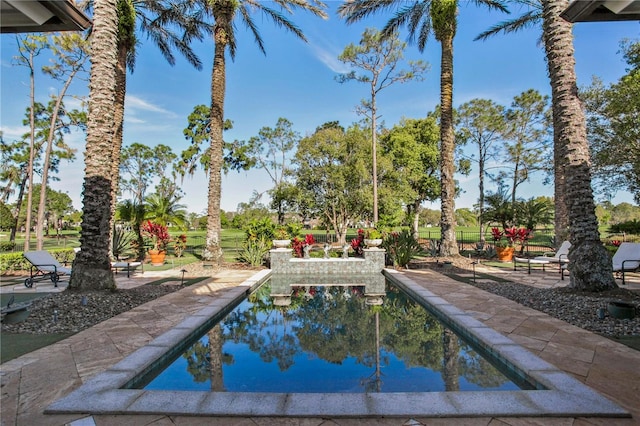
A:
{"points": [[134, 103], [329, 57], [11, 133], [133, 120]]}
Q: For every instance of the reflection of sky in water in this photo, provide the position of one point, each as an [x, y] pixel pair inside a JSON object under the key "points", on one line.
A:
{"points": [[271, 349]]}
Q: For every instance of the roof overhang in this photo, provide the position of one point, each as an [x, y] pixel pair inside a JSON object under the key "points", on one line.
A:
{"points": [[602, 10], [24, 16]]}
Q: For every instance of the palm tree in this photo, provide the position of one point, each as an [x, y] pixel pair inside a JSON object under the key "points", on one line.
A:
{"points": [[224, 12], [91, 267], [421, 18], [155, 18], [165, 210], [133, 213], [590, 266]]}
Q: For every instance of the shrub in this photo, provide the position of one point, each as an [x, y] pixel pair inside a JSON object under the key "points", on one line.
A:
{"points": [[628, 227], [179, 245], [7, 245], [298, 244], [259, 228], [402, 247], [254, 251], [357, 244]]}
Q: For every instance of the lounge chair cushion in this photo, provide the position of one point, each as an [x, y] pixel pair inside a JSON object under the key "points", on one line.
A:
{"points": [[629, 253], [44, 261], [559, 256]]}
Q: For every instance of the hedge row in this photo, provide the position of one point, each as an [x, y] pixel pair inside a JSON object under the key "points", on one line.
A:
{"points": [[10, 262]]}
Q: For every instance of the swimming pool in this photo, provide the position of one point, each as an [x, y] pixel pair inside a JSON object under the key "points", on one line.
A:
{"points": [[291, 337], [558, 394]]}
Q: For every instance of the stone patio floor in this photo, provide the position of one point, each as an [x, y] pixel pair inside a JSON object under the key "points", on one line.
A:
{"points": [[33, 381]]}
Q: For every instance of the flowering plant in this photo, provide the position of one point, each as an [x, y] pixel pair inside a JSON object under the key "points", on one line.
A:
{"points": [[179, 245], [357, 244], [299, 244], [511, 236], [158, 233]]}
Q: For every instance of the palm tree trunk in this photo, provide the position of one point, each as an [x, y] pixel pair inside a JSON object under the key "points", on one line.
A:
{"points": [[589, 263], [118, 124], [561, 217], [448, 246], [91, 267], [213, 251]]}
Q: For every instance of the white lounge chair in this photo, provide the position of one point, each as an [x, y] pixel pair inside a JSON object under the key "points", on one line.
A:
{"points": [[626, 259], [559, 256], [44, 266]]}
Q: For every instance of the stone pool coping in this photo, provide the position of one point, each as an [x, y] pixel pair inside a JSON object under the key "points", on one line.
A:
{"points": [[562, 396]]}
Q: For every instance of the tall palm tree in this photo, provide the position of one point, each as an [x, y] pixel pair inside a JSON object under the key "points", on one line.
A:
{"points": [[530, 18], [224, 12], [157, 19], [91, 267], [421, 18], [589, 261]]}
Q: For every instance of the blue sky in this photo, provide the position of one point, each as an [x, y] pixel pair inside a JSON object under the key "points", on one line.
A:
{"points": [[297, 81]]}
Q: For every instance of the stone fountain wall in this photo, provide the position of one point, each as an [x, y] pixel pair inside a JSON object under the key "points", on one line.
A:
{"points": [[283, 262]]}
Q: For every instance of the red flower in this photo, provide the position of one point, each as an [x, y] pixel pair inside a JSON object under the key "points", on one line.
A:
{"points": [[158, 233], [298, 245]]}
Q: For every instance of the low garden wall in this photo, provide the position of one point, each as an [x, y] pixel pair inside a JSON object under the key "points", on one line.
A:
{"points": [[283, 262]]}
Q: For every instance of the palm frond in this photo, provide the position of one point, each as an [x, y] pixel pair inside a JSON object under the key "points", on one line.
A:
{"points": [[355, 10], [529, 19], [498, 4]]}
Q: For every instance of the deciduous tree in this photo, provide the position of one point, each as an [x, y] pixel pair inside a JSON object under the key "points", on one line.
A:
{"points": [[332, 176], [481, 122], [412, 148], [612, 126], [422, 18], [379, 58]]}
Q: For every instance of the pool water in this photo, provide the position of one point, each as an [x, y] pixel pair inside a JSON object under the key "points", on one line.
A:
{"points": [[329, 339]]}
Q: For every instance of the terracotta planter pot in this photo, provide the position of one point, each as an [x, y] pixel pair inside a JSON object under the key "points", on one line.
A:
{"points": [[157, 257], [505, 254]]}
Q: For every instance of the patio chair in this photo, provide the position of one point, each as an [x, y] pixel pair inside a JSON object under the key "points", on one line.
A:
{"points": [[626, 259], [125, 265], [44, 266], [559, 256]]}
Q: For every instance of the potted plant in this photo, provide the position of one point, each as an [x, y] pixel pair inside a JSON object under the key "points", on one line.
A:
{"points": [[373, 238], [160, 239], [281, 238], [503, 242]]}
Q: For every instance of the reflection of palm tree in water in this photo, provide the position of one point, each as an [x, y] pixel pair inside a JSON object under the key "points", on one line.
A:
{"points": [[215, 357], [374, 382], [450, 360]]}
